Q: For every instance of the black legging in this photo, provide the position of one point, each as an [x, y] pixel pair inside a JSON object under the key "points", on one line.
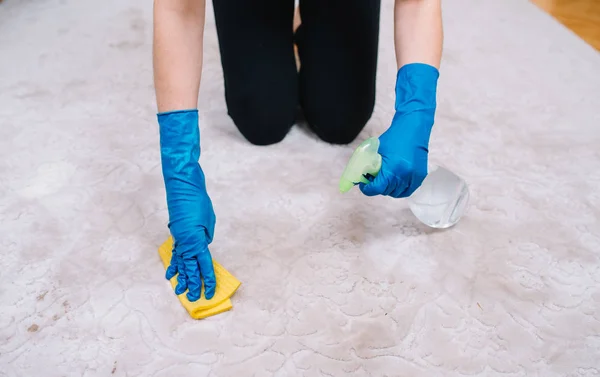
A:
{"points": [[335, 88]]}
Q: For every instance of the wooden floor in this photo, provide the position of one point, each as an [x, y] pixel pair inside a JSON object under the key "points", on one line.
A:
{"points": [[581, 16]]}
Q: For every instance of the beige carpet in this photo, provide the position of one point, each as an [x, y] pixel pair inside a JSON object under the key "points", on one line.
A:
{"points": [[333, 284]]}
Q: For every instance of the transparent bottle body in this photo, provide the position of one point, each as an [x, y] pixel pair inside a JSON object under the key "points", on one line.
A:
{"points": [[441, 200]]}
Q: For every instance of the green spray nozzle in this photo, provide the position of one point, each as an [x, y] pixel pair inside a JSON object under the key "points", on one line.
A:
{"points": [[365, 160]]}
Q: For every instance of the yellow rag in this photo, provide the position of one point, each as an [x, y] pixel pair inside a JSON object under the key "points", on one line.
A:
{"points": [[227, 284]]}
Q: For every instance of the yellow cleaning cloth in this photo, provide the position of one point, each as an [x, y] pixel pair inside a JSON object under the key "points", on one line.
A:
{"points": [[227, 284]]}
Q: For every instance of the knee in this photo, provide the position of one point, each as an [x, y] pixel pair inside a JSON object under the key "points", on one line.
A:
{"points": [[262, 124], [261, 133], [339, 135], [342, 126]]}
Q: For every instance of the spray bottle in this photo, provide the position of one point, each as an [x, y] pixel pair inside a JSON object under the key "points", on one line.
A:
{"points": [[439, 202]]}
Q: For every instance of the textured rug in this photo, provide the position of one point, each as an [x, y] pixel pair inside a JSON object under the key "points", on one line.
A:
{"points": [[333, 284]]}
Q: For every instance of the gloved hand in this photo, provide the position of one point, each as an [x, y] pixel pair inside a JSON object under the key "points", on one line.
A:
{"points": [[191, 215], [404, 146]]}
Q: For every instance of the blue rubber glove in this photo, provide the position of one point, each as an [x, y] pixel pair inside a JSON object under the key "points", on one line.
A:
{"points": [[405, 145], [191, 215]]}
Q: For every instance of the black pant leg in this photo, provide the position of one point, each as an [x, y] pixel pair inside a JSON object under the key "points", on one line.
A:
{"points": [[259, 68], [338, 45]]}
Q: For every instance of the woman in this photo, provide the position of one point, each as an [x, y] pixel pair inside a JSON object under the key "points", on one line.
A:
{"points": [[334, 88]]}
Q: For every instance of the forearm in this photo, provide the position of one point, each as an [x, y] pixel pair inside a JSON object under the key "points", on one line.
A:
{"points": [[177, 52], [418, 34]]}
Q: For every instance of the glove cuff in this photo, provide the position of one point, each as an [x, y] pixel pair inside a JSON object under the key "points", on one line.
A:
{"points": [[179, 141], [164, 114], [416, 86], [177, 124]]}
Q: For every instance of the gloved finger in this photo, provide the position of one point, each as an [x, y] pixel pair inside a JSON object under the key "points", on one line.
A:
{"points": [[379, 186], [400, 188], [415, 183], [193, 275], [207, 271], [369, 177], [172, 269], [182, 281]]}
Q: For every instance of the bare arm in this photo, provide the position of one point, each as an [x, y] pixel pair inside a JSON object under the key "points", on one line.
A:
{"points": [[418, 34], [177, 52]]}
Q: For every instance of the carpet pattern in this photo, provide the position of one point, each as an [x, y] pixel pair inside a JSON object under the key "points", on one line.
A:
{"points": [[332, 284]]}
